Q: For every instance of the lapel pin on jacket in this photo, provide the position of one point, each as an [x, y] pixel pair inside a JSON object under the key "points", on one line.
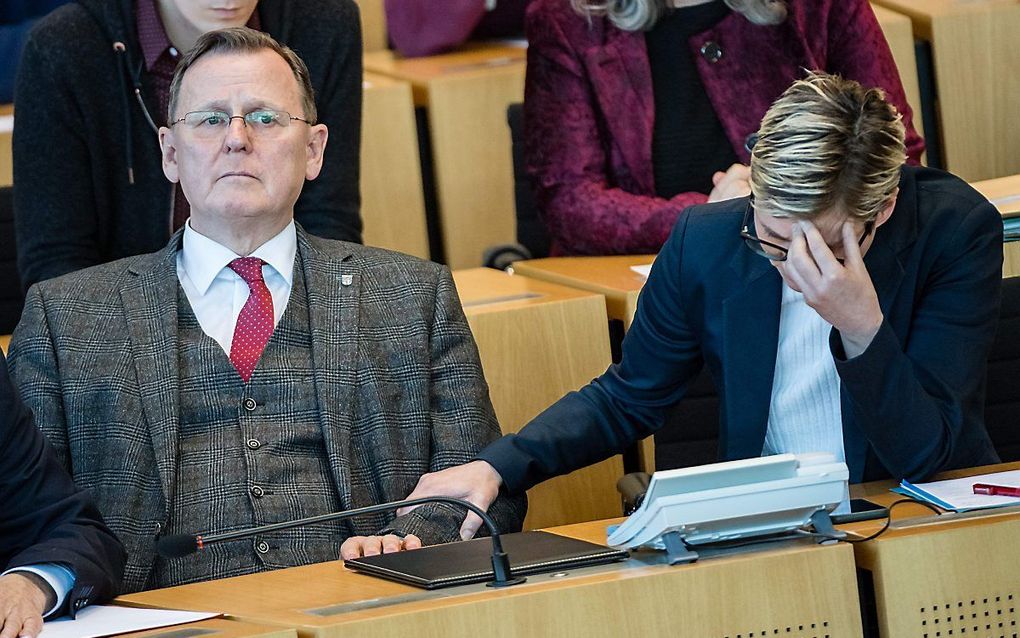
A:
{"points": [[346, 280]]}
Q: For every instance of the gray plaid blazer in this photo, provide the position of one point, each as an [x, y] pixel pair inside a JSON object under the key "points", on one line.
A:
{"points": [[395, 366]]}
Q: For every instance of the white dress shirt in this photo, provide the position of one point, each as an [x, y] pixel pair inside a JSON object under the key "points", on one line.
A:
{"points": [[217, 293]]}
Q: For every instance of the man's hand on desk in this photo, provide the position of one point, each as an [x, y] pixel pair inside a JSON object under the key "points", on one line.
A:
{"points": [[476, 482], [24, 597], [358, 546]]}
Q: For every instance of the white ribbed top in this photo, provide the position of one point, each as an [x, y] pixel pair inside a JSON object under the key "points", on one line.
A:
{"points": [[804, 415]]}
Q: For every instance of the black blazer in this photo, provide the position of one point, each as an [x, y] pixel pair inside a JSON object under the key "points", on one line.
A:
{"points": [[912, 403], [45, 518]]}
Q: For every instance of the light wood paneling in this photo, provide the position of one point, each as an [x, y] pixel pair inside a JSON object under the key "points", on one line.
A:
{"points": [[799, 592], [373, 24], [900, 35], [537, 342], [466, 94], [392, 199], [977, 73], [6, 155], [216, 628]]}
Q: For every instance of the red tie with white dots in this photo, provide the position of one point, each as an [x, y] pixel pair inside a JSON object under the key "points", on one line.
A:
{"points": [[255, 323]]}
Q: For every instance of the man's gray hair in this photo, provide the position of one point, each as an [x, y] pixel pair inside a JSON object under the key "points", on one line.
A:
{"points": [[828, 144], [641, 15], [243, 40]]}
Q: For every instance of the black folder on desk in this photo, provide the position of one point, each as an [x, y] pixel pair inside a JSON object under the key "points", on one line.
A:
{"points": [[471, 561]]}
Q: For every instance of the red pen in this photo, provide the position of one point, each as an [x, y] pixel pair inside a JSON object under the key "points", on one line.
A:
{"points": [[996, 490]]}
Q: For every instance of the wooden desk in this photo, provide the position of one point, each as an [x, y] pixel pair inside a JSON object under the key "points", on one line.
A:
{"points": [[466, 94], [608, 276], [216, 628], [537, 342], [1005, 194], [392, 200], [949, 576], [977, 75], [799, 591], [6, 154], [373, 25], [5, 342], [900, 35]]}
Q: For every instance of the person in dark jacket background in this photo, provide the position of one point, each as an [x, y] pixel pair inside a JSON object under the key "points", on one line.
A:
{"points": [[56, 555], [91, 92]]}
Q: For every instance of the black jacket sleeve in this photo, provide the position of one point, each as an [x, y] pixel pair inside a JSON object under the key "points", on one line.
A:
{"points": [[46, 519]]}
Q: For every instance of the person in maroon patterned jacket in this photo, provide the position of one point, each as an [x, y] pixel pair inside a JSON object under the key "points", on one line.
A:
{"points": [[634, 115]]}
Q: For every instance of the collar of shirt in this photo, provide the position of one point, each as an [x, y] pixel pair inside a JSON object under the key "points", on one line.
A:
{"points": [[204, 260], [153, 38]]}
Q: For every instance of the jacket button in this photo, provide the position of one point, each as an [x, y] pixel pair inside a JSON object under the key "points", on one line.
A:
{"points": [[262, 547], [711, 51], [249, 404], [254, 444], [258, 492]]}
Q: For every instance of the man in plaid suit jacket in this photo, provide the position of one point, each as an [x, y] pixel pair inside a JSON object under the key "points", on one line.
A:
{"points": [[250, 373]]}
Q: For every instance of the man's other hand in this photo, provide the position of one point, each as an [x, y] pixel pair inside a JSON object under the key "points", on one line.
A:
{"points": [[476, 482], [24, 598], [358, 546]]}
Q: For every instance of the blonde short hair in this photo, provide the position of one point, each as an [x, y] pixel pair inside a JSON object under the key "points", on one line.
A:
{"points": [[828, 144], [244, 40], [641, 15]]}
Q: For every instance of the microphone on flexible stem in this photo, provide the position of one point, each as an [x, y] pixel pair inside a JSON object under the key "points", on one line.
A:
{"points": [[178, 545]]}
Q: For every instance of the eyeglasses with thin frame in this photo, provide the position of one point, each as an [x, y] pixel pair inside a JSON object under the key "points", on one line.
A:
{"points": [[211, 124], [769, 250]]}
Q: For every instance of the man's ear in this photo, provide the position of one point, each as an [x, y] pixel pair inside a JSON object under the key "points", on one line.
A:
{"points": [[168, 149], [317, 137], [887, 212]]}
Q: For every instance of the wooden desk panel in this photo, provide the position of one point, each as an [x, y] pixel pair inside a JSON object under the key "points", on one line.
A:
{"points": [[900, 35], [955, 574], [216, 628], [6, 154], [5, 342], [537, 342], [1005, 194], [799, 591], [977, 72], [373, 25], [392, 197], [608, 276], [466, 94]]}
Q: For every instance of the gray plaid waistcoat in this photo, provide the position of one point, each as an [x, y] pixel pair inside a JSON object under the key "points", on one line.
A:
{"points": [[249, 453]]}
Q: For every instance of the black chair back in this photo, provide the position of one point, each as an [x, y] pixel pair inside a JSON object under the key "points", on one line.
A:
{"points": [[12, 300], [1002, 395], [531, 231], [691, 433]]}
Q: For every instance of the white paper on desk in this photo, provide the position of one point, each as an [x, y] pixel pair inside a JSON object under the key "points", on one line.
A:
{"points": [[958, 494], [107, 620], [6, 123], [642, 270]]}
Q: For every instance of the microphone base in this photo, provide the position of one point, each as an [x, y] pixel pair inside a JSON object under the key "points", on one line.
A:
{"points": [[506, 583]]}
